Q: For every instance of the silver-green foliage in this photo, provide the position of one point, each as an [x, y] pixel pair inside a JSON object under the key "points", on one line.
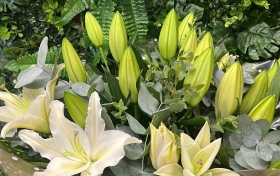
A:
{"points": [[255, 146]]}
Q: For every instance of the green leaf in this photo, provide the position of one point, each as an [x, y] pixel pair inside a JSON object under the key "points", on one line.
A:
{"points": [[196, 121], [252, 159], [276, 152], [185, 10], [146, 101], [135, 126], [257, 40], [251, 134], [11, 5], [114, 87], [173, 107], [42, 53], [273, 88], [108, 121], [235, 140], [135, 18], [264, 125], [28, 76], [264, 151]]}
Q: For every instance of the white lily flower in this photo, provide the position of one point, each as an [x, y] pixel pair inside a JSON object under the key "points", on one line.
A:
{"points": [[29, 110], [196, 157], [72, 150]]}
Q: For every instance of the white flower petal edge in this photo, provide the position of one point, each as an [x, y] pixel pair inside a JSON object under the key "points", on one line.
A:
{"points": [[170, 170]]}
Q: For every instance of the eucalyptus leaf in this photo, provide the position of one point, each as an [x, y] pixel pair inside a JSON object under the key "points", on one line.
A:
{"points": [[276, 152], [241, 161], [135, 125], [173, 107], [251, 134], [196, 121], [108, 121], [272, 137], [81, 88], [113, 85], [28, 76], [60, 89], [43, 51], [264, 125], [252, 159], [234, 165], [264, 151], [146, 101], [133, 151], [243, 120], [235, 140]]}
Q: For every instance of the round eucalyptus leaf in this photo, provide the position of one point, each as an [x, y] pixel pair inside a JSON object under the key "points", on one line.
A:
{"points": [[235, 140], [28, 76], [276, 152], [241, 161], [42, 80], [264, 151], [146, 101], [133, 151], [251, 134], [42, 53], [272, 137], [135, 126], [243, 120], [264, 125], [252, 159], [81, 88]]}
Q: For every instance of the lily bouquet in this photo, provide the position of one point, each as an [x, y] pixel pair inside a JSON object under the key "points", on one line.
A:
{"points": [[185, 110]]}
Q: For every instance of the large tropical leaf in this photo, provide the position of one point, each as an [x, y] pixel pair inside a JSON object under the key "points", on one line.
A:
{"points": [[257, 41], [11, 5], [136, 19]]}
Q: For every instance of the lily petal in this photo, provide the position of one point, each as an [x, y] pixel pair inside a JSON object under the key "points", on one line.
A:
{"points": [[75, 143], [32, 94], [14, 100], [186, 172], [170, 170], [188, 145], [9, 113], [46, 147], [220, 172], [203, 160], [94, 123], [203, 137], [167, 155], [61, 166], [108, 150]]}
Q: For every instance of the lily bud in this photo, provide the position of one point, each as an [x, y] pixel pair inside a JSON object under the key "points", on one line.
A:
{"points": [[201, 75], [168, 37], [255, 94], [117, 37], [230, 90], [264, 109], [77, 108], [205, 42], [73, 63], [128, 74], [163, 149], [189, 44], [94, 30], [184, 28]]}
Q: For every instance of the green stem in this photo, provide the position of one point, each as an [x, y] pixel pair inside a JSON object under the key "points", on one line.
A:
{"points": [[188, 113], [104, 59], [136, 111]]}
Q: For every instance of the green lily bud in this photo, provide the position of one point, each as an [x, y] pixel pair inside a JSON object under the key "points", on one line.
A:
{"points": [[94, 30], [184, 28], [264, 109], [77, 108], [168, 37], [73, 63], [202, 75], [128, 74], [117, 37], [205, 42], [229, 92], [189, 44], [272, 71], [255, 94]]}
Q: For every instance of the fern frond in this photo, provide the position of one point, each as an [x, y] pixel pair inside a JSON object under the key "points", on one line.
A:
{"points": [[70, 10], [104, 13], [136, 19]]}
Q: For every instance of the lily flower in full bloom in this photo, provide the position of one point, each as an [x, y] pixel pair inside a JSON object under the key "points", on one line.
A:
{"points": [[196, 156], [73, 150]]}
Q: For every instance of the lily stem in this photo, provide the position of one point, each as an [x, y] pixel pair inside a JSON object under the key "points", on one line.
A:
{"points": [[104, 59], [136, 111]]}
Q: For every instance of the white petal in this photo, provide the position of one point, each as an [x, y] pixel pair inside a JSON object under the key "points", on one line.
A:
{"points": [[63, 167], [108, 150], [203, 137], [68, 136], [46, 147], [32, 94], [204, 159], [170, 170], [50, 89], [38, 109], [29, 122], [186, 172], [220, 172], [168, 155], [189, 148], [94, 123], [10, 113], [10, 99]]}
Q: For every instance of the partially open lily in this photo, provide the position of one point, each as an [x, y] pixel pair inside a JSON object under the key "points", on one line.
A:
{"points": [[29, 110], [71, 149], [196, 157]]}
